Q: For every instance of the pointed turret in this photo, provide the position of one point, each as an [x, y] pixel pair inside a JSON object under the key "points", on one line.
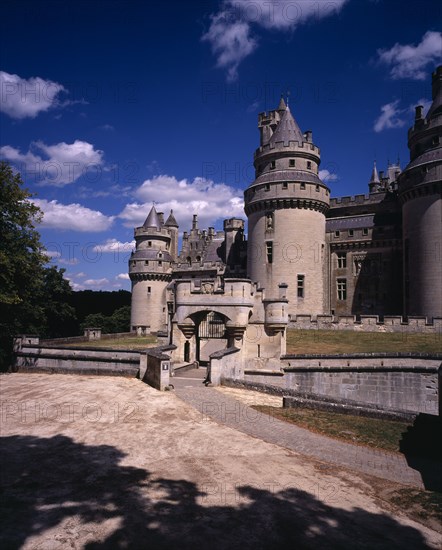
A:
{"points": [[436, 106], [282, 106], [374, 184], [171, 221], [287, 129], [374, 175], [152, 219]]}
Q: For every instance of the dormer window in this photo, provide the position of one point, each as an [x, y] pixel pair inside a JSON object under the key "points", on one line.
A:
{"points": [[317, 188], [302, 185], [285, 185], [272, 165], [309, 165], [292, 163]]}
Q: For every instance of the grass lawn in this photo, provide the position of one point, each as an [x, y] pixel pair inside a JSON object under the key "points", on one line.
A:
{"points": [[381, 434], [343, 341], [128, 342]]}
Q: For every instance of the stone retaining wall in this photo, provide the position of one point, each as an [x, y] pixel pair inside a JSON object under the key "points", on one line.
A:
{"points": [[368, 323], [401, 382]]}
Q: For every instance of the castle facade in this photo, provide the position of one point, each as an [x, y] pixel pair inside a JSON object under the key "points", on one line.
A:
{"points": [[306, 253]]}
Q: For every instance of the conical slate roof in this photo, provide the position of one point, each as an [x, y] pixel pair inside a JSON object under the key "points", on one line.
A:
{"points": [[287, 129], [282, 106], [171, 221], [152, 219], [374, 175]]}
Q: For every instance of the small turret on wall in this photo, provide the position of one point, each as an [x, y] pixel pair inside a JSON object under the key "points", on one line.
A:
{"points": [[150, 270]]}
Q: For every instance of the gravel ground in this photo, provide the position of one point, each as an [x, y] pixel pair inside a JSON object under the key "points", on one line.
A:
{"points": [[103, 462]]}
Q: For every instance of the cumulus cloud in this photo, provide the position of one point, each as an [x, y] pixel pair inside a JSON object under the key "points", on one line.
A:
{"points": [[411, 61], [230, 31], [391, 117], [325, 176], [22, 98], [211, 201], [114, 246], [123, 277], [73, 217], [96, 282], [57, 165]]}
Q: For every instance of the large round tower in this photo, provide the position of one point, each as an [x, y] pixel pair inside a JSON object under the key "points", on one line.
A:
{"points": [[150, 270], [420, 192], [286, 207]]}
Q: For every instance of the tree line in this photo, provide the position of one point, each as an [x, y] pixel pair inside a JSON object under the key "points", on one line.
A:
{"points": [[35, 298]]}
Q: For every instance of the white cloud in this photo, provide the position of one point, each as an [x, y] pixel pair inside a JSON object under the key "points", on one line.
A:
{"points": [[72, 217], [410, 61], [58, 164], [96, 282], [230, 41], [230, 31], [115, 246], [325, 175], [211, 201], [21, 98], [390, 117], [123, 277], [107, 127]]}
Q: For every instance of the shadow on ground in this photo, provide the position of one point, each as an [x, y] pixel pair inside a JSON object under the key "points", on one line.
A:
{"points": [[421, 445], [46, 481]]}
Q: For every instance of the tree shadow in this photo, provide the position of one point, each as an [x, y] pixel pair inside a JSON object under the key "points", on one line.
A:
{"points": [[421, 445], [45, 481]]}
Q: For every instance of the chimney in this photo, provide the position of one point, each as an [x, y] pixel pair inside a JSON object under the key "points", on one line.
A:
{"points": [[419, 112], [195, 221]]}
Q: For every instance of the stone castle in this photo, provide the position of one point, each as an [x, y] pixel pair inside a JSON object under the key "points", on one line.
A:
{"points": [[306, 253]]}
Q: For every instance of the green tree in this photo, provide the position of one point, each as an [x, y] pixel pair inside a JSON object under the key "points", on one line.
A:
{"points": [[119, 321], [32, 296]]}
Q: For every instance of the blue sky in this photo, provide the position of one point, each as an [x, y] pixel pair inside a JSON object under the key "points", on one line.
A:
{"points": [[108, 105]]}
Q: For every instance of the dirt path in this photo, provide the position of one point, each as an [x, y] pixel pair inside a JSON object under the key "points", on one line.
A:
{"points": [[109, 462]]}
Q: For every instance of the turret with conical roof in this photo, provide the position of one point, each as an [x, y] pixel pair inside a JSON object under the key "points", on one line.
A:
{"points": [[420, 192], [374, 180], [150, 270], [286, 206]]}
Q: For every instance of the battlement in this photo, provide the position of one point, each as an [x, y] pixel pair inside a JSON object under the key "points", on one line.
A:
{"points": [[357, 199], [290, 146], [151, 232], [368, 323]]}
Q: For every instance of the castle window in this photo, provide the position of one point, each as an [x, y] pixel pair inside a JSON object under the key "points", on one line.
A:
{"points": [[317, 188], [302, 185], [198, 258], [342, 289], [160, 263], [189, 260], [285, 185], [309, 165], [272, 165], [267, 187], [342, 260], [269, 250], [269, 221], [300, 286], [292, 163], [149, 289], [351, 232], [146, 262], [337, 234], [365, 231], [149, 243]]}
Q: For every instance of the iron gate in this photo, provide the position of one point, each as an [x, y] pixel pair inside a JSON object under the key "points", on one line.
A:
{"points": [[212, 326]]}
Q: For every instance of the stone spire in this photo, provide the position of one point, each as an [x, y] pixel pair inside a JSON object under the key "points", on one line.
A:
{"points": [[152, 219], [171, 221], [287, 129], [374, 175], [282, 106], [436, 106]]}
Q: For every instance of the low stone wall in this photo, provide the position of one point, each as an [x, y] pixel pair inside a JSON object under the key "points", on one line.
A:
{"points": [[400, 382], [225, 364], [84, 338], [368, 323], [35, 358], [155, 367]]}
